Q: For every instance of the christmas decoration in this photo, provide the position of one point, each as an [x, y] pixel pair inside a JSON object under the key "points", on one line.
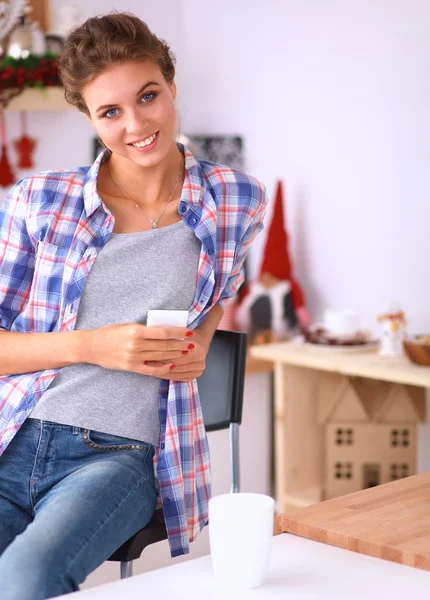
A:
{"points": [[10, 13], [33, 71], [393, 331], [24, 146], [16, 74], [25, 39], [272, 308], [7, 176]]}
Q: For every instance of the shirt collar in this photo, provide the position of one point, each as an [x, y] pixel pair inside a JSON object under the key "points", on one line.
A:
{"points": [[192, 191]]}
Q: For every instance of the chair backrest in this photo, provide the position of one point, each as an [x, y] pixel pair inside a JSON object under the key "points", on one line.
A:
{"points": [[222, 382]]}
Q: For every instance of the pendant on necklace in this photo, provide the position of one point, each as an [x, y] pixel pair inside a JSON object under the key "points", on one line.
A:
{"points": [[154, 226]]}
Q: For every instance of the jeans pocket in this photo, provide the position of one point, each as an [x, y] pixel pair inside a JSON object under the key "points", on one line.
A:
{"points": [[108, 442]]}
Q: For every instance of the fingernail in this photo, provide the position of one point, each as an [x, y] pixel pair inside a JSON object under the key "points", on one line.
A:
{"points": [[184, 351], [189, 333], [146, 362], [191, 346], [172, 367]]}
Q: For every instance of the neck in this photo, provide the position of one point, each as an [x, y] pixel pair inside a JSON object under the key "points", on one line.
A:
{"points": [[147, 186]]}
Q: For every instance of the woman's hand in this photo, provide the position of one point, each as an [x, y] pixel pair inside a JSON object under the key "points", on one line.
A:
{"points": [[136, 348], [190, 365]]}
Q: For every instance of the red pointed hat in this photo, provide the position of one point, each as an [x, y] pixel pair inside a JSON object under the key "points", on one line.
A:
{"points": [[276, 260]]}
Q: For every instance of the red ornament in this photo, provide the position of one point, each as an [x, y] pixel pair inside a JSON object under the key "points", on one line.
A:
{"points": [[7, 176], [276, 259], [24, 146]]}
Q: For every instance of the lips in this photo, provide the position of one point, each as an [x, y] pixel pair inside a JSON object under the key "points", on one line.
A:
{"points": [[144, 141]]}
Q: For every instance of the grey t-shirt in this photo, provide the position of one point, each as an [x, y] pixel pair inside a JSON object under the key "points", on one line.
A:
{"points": [[134, 272]]}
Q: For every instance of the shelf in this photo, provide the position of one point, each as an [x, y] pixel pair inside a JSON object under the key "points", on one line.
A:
{"points": [[51, 98], [353, 363], [253, 365]]}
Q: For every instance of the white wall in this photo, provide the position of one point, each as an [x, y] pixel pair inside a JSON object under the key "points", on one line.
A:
{"points": [[334, 98]]}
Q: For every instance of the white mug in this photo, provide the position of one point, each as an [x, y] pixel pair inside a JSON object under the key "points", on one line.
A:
{"points": [[240, 537], [342, 322]]}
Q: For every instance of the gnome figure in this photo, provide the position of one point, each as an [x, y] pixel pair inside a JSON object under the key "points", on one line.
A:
{"points": [[272, 308]]}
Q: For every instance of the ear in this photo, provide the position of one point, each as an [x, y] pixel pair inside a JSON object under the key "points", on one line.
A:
{"points": [[172, 85]]}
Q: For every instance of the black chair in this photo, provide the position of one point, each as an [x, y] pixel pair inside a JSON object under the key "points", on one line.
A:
{"points": [[221, 396]]}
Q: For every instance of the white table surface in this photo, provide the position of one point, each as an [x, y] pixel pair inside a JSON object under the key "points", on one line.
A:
{"points": [[299, 568]]}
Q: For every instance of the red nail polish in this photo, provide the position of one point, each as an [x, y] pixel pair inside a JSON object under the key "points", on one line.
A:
{"points": [[189, 333], [184, 351], [191, 346], [172, 367]]}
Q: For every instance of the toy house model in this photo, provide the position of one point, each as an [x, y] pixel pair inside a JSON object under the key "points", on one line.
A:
{"points": [[370, 431]]}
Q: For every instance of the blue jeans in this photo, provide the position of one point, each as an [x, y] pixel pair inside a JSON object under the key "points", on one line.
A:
{"points": [[69, 497]]}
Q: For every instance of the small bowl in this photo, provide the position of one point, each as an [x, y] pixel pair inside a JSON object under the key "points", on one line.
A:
{"points": [[417, 352]]}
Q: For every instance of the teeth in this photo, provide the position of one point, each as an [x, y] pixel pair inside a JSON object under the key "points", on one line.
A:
{"points": [[145, 142]]}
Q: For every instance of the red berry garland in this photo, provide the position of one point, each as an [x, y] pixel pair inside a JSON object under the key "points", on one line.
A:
{"points": [[33, 71]]}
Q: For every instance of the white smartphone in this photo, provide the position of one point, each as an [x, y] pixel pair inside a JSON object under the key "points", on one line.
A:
{"points": [[167, 318]]}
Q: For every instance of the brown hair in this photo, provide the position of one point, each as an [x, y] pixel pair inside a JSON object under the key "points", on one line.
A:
{"points": [[104, 41]]}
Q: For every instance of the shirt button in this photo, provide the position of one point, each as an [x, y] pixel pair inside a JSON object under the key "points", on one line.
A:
{"points": [[166, 500], [193, 221], [183, 209], [162, 445], [211, 251]]}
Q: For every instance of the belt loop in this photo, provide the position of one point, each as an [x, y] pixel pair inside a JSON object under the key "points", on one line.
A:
{"points": [[76, 430]]}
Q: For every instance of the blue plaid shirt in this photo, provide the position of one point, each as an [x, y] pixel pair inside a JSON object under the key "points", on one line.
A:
{"points": [[52, 227]]}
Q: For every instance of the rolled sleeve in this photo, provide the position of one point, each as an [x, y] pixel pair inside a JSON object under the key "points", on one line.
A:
{"points": [[16, 257], [254, 226]]}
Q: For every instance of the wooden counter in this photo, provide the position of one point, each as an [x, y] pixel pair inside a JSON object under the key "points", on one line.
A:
{"points": [[360, 364], [390, 521]]}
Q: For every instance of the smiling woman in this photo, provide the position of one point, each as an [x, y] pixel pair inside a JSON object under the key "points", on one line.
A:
{"points": [[137, 124], [128, 95], [84, 255]]}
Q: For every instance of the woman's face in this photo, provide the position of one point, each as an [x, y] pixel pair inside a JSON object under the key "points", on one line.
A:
{"points": [[132, 109]]}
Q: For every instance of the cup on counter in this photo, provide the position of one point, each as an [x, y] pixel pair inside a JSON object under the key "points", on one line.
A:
{"points": [[342, 322], [240, 538]]}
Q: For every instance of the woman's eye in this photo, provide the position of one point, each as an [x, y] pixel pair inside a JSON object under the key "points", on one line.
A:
{"points": [[148, 97], [111, 112]]}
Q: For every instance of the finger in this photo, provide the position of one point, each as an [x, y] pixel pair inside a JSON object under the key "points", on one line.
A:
{"points": [[183, 369], [155, 369], [180, 359], [166, 333], [161, 357], [162, 345], [189, 376], [196, 366]]}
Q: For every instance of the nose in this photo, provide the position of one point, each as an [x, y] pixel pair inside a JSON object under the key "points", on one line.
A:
{"points": [[134, 123]]}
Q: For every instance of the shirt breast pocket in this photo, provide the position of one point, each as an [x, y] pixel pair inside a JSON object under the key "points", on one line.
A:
{"points": [[52, 263]]}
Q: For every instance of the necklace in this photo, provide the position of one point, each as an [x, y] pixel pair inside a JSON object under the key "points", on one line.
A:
{"points": [[154, 223]]}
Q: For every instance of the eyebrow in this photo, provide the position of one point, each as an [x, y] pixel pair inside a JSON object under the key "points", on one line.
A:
{"points": [[142, 89]]}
